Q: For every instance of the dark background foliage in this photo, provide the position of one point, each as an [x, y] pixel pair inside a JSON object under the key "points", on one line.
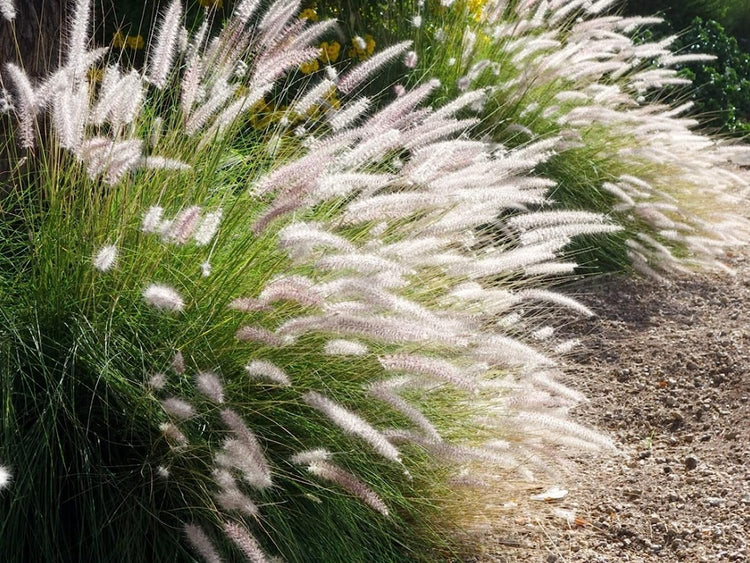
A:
{"points": [[721, 28]]}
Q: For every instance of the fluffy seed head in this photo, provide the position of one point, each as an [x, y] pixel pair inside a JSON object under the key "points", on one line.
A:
{"points": [[210, 385], [105, 259], [178, 408], [201, 543], [7, 9], [5, 477], [163, 298], [410, 59]]}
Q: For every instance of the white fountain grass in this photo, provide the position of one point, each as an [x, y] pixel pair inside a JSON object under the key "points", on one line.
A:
{"points": [[685, 188], [571, 70], [330, 318]]}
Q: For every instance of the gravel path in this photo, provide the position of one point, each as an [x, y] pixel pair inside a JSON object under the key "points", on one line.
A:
{"points": [[667, 369]]}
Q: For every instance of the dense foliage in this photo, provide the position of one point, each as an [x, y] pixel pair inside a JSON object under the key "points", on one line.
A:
{"points": [[721, 91]]}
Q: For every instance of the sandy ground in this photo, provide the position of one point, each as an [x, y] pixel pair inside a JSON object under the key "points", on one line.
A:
{"points": [[667, 371]]}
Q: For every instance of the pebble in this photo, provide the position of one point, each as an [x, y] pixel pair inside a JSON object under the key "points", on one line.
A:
{"points": [[691, 462]]}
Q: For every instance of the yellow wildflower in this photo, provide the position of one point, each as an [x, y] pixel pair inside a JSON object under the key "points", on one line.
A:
{"points": [[362, 48], [135, 42], [118, 39], [476, 7], [329, 52], [309, 14], [309, 67]]}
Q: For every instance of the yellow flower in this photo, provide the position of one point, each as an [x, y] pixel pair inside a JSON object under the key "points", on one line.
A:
{"points": [[476, 7], [118, 39], [362, 47], [329, 52], [309, 14], [135, 42], [369, 43], [309, 67], [211, 3]]}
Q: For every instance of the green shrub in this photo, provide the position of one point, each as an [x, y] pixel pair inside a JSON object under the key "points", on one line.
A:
{"points": [[721, 88]]}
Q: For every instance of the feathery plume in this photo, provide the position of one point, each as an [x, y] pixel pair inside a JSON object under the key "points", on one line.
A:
{"points": [[210, 385], [78, 39], [25, 103], [165, 47], [183, 225], [152, 219], [173, 433], [201, 543], [313, 97], [291, 288], [163, 298], [555, 298], [244, 453], [157, 381], [178, 408], [230, 497], [248, 305], [410, 59], [309, 456], [208, 227], [347, 115], [161, 163], [430, 367], [266, 370], [258, 334], [178, 363], [339, 347], [353, 424], [7, 9], [244, 9], [248, 545], [556, 425], [385, 392], [5, 477], [238, 454], [330, 472], [105, 259], [364, 70]]}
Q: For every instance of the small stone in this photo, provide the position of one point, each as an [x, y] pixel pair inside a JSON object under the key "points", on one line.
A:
{"points": [[691, 462]]}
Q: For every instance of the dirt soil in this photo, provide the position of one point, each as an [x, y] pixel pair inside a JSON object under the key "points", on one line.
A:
{"points": [[667, 372]]}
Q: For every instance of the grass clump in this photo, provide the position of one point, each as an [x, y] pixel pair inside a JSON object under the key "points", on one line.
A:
{"points": [[304, 336], [570, 71]]}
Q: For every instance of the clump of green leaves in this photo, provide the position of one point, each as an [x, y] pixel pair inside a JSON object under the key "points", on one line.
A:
{"points": [[721, 90]]}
